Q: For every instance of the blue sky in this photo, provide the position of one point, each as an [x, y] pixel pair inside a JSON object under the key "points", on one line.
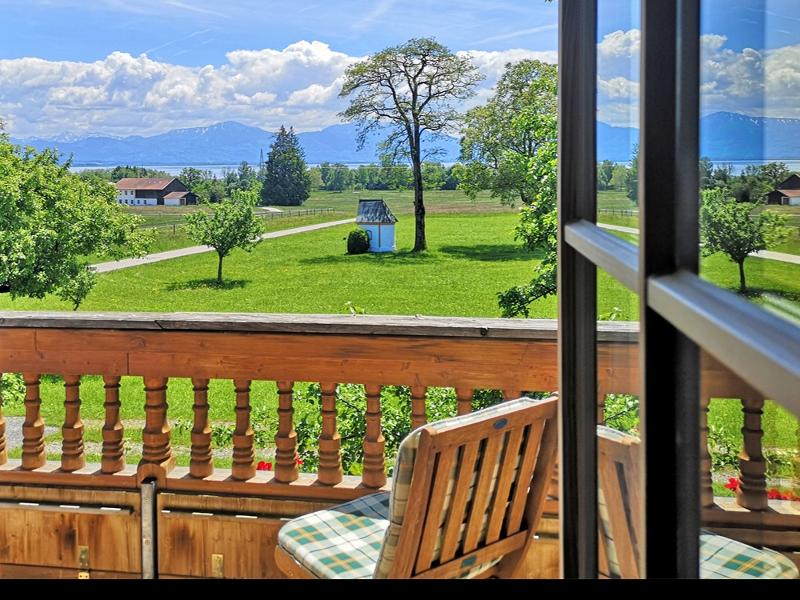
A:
{"points": [[121, 67]]}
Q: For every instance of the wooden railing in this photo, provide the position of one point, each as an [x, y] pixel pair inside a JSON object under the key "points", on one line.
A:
{"points": [[515, 356]]}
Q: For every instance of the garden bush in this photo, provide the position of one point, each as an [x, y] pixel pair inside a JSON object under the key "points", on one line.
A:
{"points": [[357, 242]]}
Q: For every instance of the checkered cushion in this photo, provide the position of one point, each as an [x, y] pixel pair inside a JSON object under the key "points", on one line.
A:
{"points": [[720, 557], [724, 558], [341, 542]]}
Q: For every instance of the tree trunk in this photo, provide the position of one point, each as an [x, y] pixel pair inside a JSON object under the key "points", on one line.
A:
{"points": [[742, 286], [219, 270], [420, 243]]}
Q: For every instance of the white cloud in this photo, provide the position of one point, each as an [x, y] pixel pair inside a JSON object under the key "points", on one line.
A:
{"points": [[124, 95], [618, 87]]}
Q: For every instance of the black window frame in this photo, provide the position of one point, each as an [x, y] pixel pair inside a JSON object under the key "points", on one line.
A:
{"points": [[680, 313]]}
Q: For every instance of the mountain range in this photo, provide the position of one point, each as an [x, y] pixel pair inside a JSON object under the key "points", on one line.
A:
{"points": [[724, 136]]}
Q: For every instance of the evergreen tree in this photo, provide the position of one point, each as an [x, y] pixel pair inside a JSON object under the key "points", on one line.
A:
{"points": [[286, 179]]}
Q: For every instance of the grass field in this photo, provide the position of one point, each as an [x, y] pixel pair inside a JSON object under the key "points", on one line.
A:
{"points": [[472, 256]]}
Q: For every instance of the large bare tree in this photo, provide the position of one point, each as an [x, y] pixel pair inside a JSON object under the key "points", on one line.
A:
{"points": [[412, 88]]}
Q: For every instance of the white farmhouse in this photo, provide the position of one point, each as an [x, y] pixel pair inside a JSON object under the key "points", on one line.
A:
{"points": [[148, 191], [377, 220]]}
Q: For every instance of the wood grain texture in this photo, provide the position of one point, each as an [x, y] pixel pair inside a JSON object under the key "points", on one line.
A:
{"points": [[157, 459], [330, 460], [72, 457], [286, 437], [244, 466], [374, 474], [113, 459], [201, 463], [48, 536], [3, 450], [33, 455], [752, 493]]}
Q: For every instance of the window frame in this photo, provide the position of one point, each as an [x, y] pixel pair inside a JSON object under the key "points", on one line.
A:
{"points": [[680, 313]]}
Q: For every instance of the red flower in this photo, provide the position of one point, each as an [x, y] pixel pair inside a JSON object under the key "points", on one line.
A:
{"points": [[733, 484], [264, 466], [776, 494]]}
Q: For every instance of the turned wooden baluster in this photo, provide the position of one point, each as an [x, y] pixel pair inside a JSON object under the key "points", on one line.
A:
{"points": [[33, 455], [72, 457], [464, 400], [201, 463], [113, 460], [511, 394], [374, 475], [706, 489], [752, 493], [157, 459], [330, 463], [244, 466], [418, 415], [286, 438], [3, 451]]}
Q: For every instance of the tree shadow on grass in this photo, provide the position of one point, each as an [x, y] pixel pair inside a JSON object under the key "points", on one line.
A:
{"points": [[766, 295], [493, 252], [376, 258], [207, 284]]}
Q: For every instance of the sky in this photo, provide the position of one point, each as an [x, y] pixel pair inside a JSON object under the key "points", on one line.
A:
{"points": [[141, 67]]}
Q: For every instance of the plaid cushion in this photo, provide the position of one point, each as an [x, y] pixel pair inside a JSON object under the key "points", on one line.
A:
{"points": [[401, 483], [724, 558], [720, 557], [341, 542]]}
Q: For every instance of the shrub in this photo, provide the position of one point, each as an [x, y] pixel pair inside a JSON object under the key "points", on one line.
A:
{"points": [[357, 242], [12, 390]]}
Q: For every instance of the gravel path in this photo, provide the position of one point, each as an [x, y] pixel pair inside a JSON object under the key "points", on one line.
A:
{"points": [[126, 263], [14, 432]]}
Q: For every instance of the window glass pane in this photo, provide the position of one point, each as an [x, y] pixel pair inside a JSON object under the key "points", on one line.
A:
{"points": [[750, 226], [750, 121], [619, 432], [618, 117]]}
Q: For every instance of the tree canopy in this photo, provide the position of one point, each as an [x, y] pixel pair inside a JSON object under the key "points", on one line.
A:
{"points": [[510, 145], [411, 89], [286, 180], [732, 228], [51, 220], [231, 223], [503, 136]]}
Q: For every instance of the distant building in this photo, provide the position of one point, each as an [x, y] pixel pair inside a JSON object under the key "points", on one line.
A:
{"points": [[377, 220], [787, 192], [144, 191]]}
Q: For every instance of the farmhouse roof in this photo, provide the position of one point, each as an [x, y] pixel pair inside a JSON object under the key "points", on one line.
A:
{"points": [[144, 183], [176, 195], [790, 193], [374, 211]]}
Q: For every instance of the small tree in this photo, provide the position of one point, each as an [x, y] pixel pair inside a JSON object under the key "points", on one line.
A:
{"points": [[411, 89], [232, 223], [286, 179], [51, 220], [730, 227], [632, 177]]}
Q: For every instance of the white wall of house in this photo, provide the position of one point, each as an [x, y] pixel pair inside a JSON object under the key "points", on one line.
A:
{"points": [[125, 196], [172, 202], [794, 201], [381, 237]]}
